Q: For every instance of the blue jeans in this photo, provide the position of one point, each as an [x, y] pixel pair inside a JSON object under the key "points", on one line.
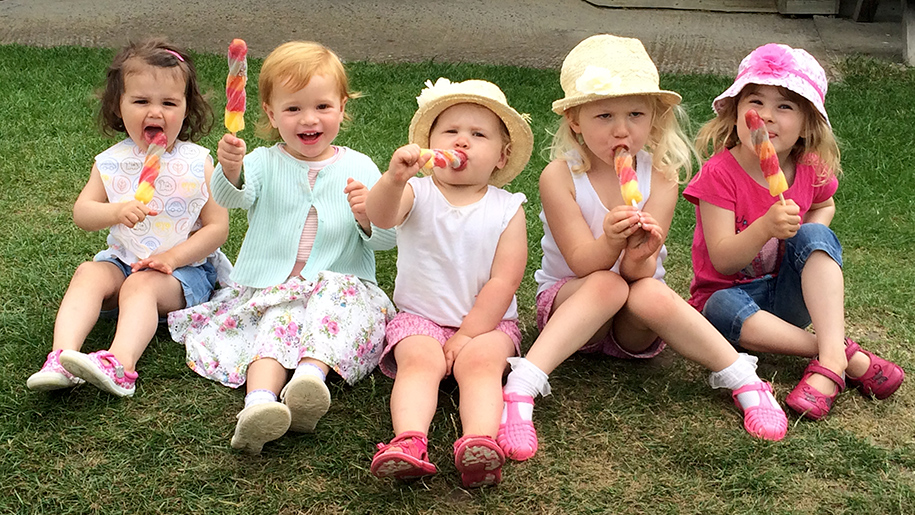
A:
{"points": [[781, 294]]}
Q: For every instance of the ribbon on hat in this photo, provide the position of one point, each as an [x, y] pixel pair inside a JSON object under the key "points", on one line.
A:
{"points": [[598, 80], [775, 62]]}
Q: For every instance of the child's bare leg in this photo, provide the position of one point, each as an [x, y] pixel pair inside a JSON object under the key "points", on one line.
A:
{"points": [[420, 369], [582, 309], [824, 295], [653, 309], [94, 287], [266, 374], [478, 370], [144, 297]]}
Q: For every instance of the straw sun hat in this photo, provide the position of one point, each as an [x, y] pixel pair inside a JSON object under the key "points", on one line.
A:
{"points": [[605, 66], [437, 97]]}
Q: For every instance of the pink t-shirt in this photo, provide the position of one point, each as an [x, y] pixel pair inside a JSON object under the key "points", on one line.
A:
{"points": [[722, 182]]}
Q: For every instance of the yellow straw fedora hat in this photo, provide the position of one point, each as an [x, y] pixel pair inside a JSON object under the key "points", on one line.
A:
{"points": [[606, 66], [437, 97]]}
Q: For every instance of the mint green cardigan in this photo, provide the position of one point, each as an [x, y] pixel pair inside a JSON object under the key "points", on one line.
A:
{"points": [[276, 193]]}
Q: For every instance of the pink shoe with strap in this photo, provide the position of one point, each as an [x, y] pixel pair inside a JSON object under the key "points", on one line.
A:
{"points": [[807, 400], [52, 376], [517, 436], [405, 457], [479, 459], [101, 369], [765, 420], [882, 378]]}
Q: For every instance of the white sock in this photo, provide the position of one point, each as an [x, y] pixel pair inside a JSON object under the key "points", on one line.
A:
{"points": [[310, 369], [525, 379], [259, 397], [738, 374]]}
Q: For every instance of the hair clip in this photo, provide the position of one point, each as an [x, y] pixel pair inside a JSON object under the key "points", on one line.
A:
{"points": [[176, 54]]}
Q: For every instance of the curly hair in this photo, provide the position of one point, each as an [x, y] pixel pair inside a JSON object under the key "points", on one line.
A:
{"points": [[157, 52]]}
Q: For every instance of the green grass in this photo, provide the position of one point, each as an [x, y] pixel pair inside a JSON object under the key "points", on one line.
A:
{"points": [[617, 437]]}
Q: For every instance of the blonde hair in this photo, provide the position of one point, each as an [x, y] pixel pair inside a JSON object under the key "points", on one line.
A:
{"points": [[816, 146], [667, 142], [293, 64]]}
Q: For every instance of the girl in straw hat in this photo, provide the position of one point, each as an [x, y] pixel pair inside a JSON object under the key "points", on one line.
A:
{"points": [[462, 252], [601, 283], [762, 279]]}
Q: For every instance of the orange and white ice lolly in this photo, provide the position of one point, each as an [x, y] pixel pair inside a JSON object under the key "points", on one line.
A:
{"points": [[629, 184], [151, 167], [457, 159], [235, 86], [768, 159]]}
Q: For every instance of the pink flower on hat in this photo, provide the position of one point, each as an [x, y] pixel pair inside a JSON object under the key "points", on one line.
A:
{"points": [[771, 61]]}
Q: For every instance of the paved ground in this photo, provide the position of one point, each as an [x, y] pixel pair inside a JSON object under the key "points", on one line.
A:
{"points": [[535, 33]]}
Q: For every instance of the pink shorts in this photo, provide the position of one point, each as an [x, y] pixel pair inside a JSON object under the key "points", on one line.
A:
{"points": [[608, 345], [408, 324]]}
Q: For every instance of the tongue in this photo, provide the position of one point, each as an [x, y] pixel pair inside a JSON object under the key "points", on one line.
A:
{"points": [[150, 134]]}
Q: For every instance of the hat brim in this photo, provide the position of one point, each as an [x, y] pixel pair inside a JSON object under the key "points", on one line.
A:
{"points": [[798, 87], [562, 105], [519, 131]]}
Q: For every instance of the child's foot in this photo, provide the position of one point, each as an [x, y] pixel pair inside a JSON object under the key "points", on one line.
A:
{"points": [[308, 400], [101, 369], [406, 457], [258, 424], [479, 459], [807, 400], [52, 376], [517, 436], [764, 419], [882, 377]]}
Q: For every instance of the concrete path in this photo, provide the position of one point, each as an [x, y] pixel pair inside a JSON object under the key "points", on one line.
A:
{"points": [[535, 33]]}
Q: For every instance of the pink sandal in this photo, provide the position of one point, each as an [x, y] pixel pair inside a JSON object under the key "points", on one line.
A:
{"points": [[406, 457], [517, 437], [882, 378], [809, 401], [479, 460], [763, 420]]}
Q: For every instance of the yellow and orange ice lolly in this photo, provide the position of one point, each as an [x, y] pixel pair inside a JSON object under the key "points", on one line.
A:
{"points": [[457, 159], [768, 159], [235, 86], [629, 184], [151, 167]]}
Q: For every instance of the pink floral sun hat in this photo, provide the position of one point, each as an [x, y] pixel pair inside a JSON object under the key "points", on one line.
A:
{"points": [[780, 65]]}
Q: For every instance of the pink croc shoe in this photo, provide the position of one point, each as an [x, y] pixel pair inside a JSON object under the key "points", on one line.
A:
{"points": [[882, 378], [517, 437], [406, 457], [479, 460], [807, 400], [763, 420]]}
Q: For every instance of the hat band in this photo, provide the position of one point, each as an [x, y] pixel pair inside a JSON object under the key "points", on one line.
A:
{"points": [[800, 74]]}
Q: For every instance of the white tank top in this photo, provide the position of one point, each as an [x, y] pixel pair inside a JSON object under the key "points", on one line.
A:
{"points": [[553, 267], [180, 193], [445, 252]]}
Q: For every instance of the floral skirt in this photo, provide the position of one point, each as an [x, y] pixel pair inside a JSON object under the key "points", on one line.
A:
{"points": [[337, 319]]}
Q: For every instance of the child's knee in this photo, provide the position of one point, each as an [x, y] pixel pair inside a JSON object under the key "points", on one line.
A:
{"points": [[652, 296]]}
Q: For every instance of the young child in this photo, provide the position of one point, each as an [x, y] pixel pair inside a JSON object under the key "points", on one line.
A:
{"points": [[601, 286], [462, 251], [305, 297], [157, 255], [765, 269]]}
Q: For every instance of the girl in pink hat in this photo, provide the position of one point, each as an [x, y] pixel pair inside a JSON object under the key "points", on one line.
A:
{"points": [[766, 268], [601, 287]]}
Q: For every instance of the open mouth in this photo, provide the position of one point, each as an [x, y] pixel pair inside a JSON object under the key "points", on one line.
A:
{"points": [[150, 131], [309, 138]]}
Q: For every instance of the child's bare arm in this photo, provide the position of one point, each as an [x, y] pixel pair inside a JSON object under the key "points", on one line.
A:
{"points": [[496, 295], [390, 200], [821, 213], [214, 230], [231, 154], [643, 247], [582, 251], [93, 212], [731, 251]]}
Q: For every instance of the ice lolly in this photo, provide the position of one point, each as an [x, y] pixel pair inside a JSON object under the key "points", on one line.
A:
{"points": [[457, 159], [235, 86], [151, 167], [629, 184], [768, 160]]}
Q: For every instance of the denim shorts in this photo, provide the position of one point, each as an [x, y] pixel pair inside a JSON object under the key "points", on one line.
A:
{"points": [[781, 294], [197, 282]]}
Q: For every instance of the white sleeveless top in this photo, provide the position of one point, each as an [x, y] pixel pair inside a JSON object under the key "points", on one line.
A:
{"points": [[181, 192], [553, 267], [445, 252]]}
